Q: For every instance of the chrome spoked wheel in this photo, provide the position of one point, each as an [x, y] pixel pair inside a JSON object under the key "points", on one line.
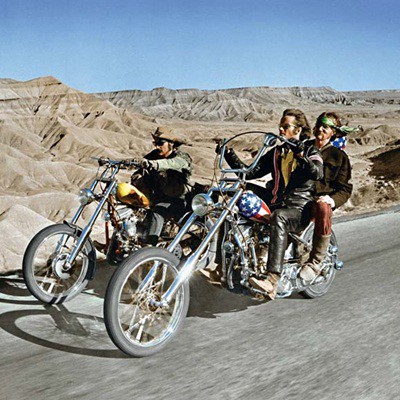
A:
{"points": [[135, 321], [324, 281], [47, 275]]}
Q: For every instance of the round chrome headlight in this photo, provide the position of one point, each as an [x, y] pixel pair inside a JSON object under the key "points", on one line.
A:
{"points": [[85, 196], [202, 204]]}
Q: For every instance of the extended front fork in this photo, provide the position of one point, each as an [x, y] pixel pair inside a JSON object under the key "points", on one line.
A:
{"points": [[190, 264], [83, 237]]}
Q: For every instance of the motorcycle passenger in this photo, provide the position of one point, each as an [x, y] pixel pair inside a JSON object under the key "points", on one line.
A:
{"points": [[289, 194], [164, 178], [332, 191]]}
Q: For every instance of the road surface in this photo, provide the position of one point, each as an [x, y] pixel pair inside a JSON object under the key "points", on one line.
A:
{"points": [[345, 345]]}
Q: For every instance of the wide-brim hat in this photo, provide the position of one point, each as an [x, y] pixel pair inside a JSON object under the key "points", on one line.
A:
{"points": [[167, 133]]}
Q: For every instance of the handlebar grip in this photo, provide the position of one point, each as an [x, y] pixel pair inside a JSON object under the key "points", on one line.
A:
{"points": [[131, 163], [102, 161]]}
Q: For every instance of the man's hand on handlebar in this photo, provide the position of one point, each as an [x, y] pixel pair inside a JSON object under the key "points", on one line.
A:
{"points": [[218, 148], [149, 164], [132, 163], [102, 161], [296, 146]]}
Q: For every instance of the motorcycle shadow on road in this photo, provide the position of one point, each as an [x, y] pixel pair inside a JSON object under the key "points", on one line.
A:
{"points": [[98, 286], [207, 299], [56, 327], [14, 291]]}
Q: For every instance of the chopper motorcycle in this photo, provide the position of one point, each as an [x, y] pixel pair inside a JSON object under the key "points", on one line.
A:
{"points": [[148, 297], [60, 260]]}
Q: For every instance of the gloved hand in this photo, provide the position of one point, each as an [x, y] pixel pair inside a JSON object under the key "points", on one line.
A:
{"points": [[149, 164], [218, 148], [297, 146], [131, 163], [102, 161], [326, 199]]}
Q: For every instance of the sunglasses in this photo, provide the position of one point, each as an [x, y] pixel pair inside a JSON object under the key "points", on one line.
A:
{"points": [[159, 142], [285, 127]]}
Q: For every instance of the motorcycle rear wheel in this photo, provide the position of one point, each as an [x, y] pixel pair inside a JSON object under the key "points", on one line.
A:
{"points": [[134, 324], [318, 290], [43, 265]]}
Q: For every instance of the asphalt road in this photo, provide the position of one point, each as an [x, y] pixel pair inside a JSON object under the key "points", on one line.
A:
{"points": [[345, 345]]}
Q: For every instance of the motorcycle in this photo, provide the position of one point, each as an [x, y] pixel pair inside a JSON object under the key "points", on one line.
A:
{"points": [[60, 260], [148, 297]]}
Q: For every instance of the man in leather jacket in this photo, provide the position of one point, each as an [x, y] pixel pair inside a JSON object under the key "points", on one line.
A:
{"points": [[294, 169], [164, 178]]}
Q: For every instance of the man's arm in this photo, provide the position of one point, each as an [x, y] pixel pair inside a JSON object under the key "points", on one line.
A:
{"points": [[312, 163], [263, 168], [180, 162], [343, 188]]}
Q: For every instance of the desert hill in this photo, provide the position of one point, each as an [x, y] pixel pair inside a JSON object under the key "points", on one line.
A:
{"points": [[256, 104], [374, 96], [49, 131]]}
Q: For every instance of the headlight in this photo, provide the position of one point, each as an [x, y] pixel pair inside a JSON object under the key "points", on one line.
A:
{"points": [[202, 204], [85, 196]]}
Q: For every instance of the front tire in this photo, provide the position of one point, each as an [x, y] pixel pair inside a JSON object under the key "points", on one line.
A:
{"points": [[44, 265], [134, 324]]}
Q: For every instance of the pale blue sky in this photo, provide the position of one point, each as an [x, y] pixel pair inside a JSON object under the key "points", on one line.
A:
{"points": [[141, 44]]}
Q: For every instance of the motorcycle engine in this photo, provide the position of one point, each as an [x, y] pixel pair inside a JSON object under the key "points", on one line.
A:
{"points": [[287, 282], [129, 220]]}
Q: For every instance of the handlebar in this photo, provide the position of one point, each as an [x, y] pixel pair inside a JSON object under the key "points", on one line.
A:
{"points": [[121, 163], [270, 139]]}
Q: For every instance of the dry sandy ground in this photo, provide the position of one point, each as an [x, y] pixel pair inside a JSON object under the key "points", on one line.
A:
{"points": [[49, 131]]}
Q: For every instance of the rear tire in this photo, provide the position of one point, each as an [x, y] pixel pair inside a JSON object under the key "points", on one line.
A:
{"points": [[318, 290]]}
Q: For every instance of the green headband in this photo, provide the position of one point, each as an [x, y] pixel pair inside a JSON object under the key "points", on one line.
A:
{"points": [[327, 121], [343, 129]]}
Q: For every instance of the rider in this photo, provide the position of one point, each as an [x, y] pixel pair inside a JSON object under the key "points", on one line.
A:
{"points": [[332, 191], [164, 176], [294, 169]]}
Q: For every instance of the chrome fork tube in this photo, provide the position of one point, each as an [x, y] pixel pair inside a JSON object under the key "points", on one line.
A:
{"points": [[181, 233], [190, 264], [86, 231]]}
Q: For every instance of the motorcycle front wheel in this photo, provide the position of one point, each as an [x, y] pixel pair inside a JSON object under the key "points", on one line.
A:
{"points": [[135, 325], [44, 270]]}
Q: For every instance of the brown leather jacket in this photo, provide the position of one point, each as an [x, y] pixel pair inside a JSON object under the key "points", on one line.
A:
{"points": [[337, 174]]}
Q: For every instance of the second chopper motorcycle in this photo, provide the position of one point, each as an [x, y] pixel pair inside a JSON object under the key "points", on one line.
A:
{"points": [[60, 260]]}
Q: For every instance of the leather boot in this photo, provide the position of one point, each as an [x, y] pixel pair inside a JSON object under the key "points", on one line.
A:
{"points": [[269, 285], [312, 268]]}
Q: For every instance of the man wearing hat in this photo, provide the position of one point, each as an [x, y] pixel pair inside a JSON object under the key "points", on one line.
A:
{"points": [[165, 173]]}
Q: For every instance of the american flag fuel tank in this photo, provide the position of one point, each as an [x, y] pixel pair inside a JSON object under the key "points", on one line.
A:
{"points": [[252, 207]]}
